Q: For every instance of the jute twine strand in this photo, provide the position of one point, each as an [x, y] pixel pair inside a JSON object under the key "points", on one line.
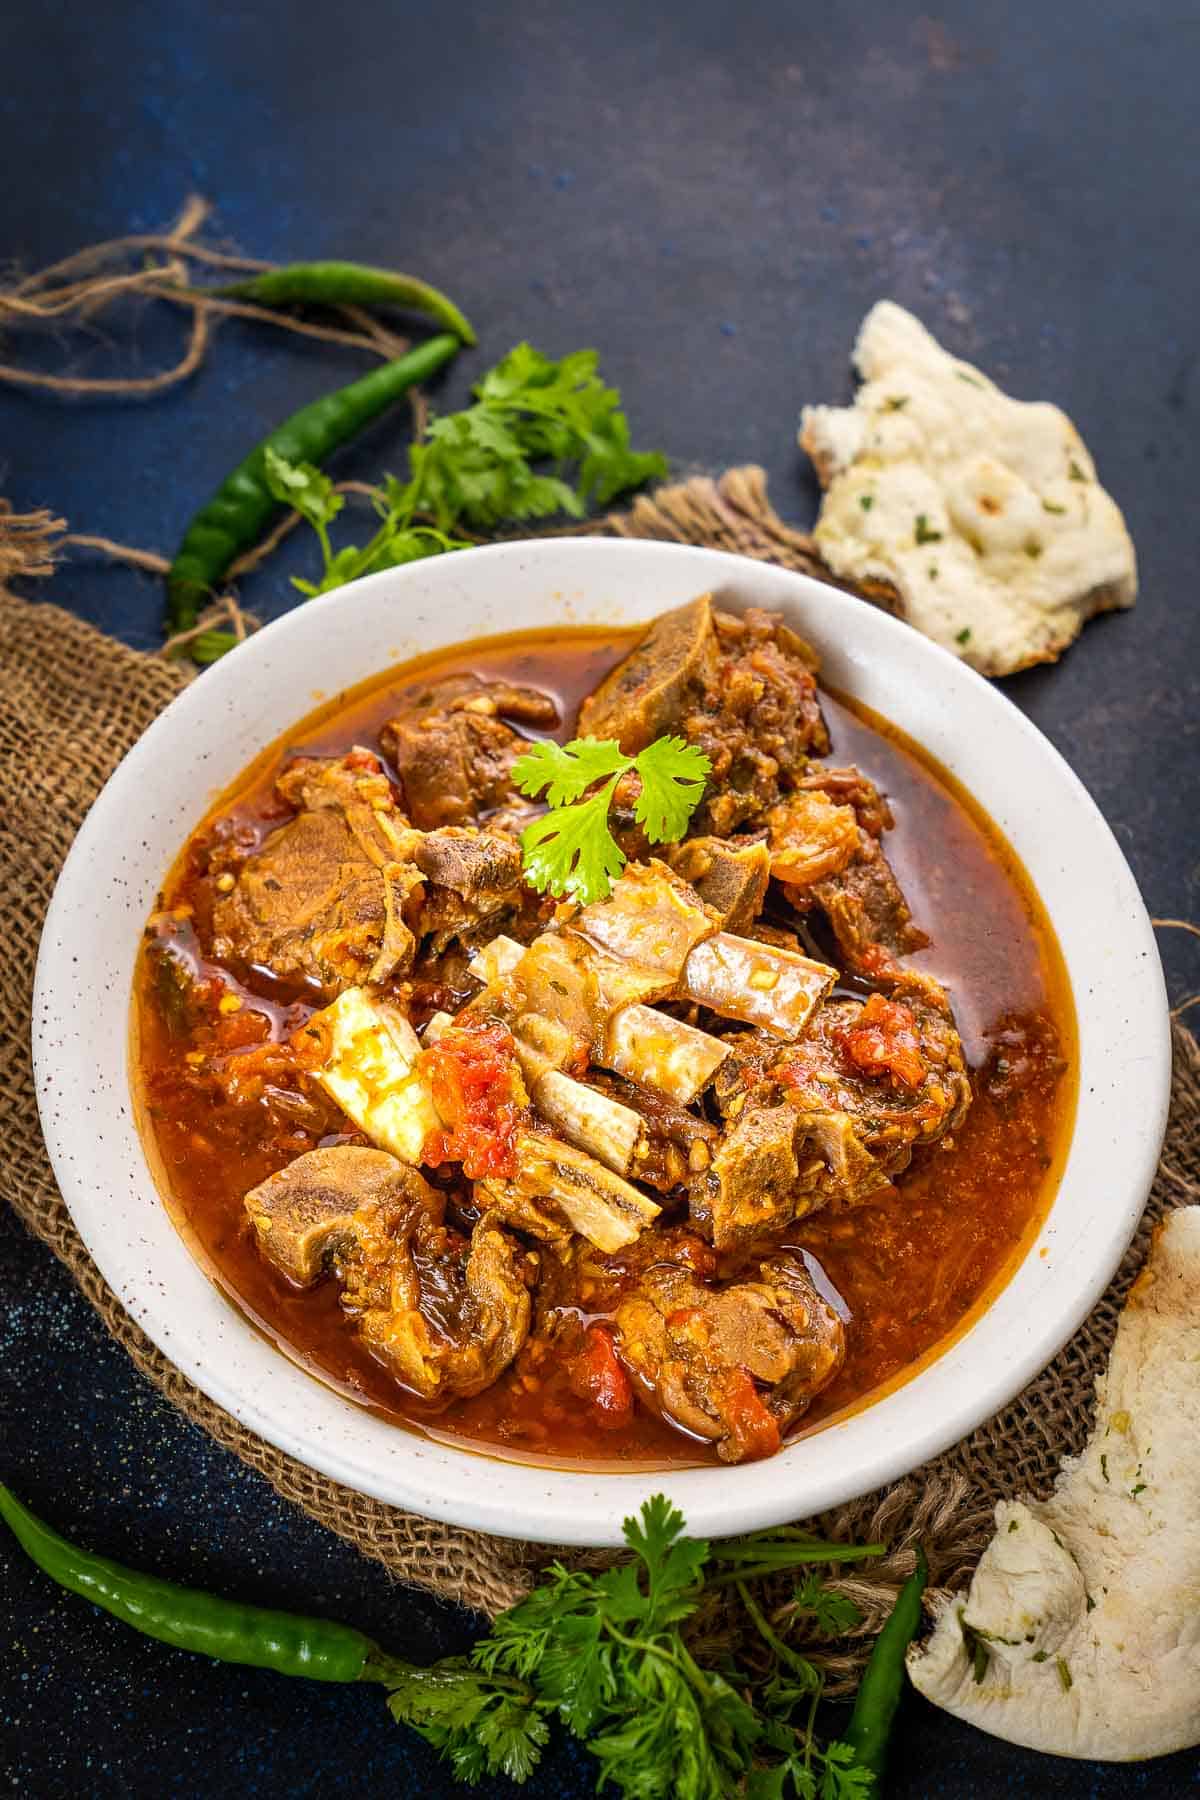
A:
{"points": [[75, 290], [71, 703]]}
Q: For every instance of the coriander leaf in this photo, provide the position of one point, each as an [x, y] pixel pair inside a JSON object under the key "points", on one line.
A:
{"points": [[674, 1564], [610, 466], [303, 487], [478, 464], [604, 1652], [564, 772], [673, 774], [843, 1777], [577, 1671], [768, 1784], [343, 567], [481, 1724], [782, 1693], [571, 850], [407, 544], [832, 1613]]}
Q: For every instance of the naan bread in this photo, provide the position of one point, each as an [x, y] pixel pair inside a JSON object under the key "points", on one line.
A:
{"points": [[976, 517], [1084, 1612]]}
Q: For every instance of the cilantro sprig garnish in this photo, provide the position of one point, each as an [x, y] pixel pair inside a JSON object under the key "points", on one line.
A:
{"points": [[571, 850], [542, 437]]}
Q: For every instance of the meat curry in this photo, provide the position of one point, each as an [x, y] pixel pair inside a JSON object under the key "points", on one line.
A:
{"points": [[667, 1176]]}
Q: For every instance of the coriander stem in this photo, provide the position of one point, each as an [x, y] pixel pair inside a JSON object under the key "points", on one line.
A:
{"points": [[646, 1644], [786, 1556], [800, 1665], [810, 1722]]}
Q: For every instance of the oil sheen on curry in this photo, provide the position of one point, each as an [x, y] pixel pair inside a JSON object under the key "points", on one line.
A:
{"points": [[665, 1177]]}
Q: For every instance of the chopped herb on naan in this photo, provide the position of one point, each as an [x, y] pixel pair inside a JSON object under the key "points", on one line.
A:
{"points": [[976, 517]]}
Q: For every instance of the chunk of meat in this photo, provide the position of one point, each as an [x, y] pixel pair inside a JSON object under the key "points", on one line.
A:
{"points": [[651, 691], [735, 1365], [742, 689], [470, 862], [759, 983], [356, 787], [869, 914], [655, 921], [454, 753], [505, 1203], [850, 787], [651, 918], [303, 1215], [473, 885], [729, 874], [568, 1002], [444, 1313], [832, 1117], [592, 1120], [834, 1070], [752, 1183], [600, 1205], [328, 897], [661, 1052], [673, 1142]]}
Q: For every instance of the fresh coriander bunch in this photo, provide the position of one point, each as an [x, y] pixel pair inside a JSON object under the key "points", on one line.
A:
{"points": [[607, 1655], [542, 438]]}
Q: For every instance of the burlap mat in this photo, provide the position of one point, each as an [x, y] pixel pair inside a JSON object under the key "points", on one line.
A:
{"points": [[71, 703]]}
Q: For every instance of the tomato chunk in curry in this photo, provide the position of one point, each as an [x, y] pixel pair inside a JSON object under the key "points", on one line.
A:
{"points": [[667, 1177]]}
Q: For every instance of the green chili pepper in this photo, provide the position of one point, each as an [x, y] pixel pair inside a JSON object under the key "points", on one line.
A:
{"points": [[883, 1680], [348, 284], [286, 1642], [243, 505]]}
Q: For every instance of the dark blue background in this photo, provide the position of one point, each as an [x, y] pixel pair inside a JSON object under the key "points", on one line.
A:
{"points": [[713, 196]]}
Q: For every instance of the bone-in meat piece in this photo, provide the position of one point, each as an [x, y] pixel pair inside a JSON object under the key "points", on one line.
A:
{"points": [[445, 1314], [602, 1207], [741, 689], [303, 1214], [453, 754], [738, 1364], [730, 877], [756, 983], [661, 1052], [324, 898], [590, 1120], [370, 1071]]}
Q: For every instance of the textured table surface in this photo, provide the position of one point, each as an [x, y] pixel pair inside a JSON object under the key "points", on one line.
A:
{"points": [[713, 197]]}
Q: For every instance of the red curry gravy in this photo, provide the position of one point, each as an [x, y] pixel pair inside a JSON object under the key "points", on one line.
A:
{"points": [[912, 1269]]}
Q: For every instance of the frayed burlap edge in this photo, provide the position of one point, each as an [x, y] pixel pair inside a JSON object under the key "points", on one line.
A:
{"points": [[71, 703]]}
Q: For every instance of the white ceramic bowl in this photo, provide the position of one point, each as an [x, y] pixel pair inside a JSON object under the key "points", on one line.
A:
{"points": [[208, 735]]}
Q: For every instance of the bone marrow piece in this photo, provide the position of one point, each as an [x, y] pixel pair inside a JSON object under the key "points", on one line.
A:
{"points": [[652, 1178]]}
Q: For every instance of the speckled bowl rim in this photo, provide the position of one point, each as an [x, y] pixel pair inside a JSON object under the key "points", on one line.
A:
{"points": [[208, 735]]}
